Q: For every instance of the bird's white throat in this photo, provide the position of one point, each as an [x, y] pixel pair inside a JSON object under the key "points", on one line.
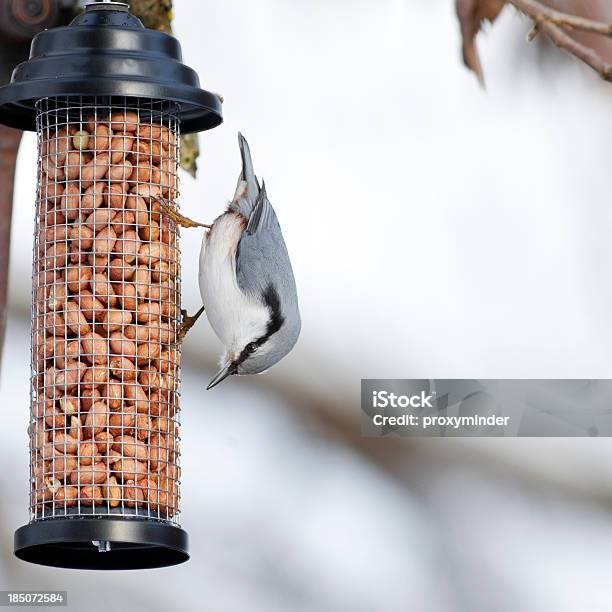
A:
{"points": [[235, 317]]}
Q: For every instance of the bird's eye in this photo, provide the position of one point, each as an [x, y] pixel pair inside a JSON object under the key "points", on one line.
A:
{"points": [[250, 347]]}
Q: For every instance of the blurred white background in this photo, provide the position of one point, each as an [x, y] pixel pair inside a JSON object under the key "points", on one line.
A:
{"points": [[436, 230]]}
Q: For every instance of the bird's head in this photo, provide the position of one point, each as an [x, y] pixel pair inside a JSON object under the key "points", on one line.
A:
{"points": [[263, 336]]}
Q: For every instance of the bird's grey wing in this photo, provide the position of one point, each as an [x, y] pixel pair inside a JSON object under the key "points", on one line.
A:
{"points": [[261, 257], [263, 217]]}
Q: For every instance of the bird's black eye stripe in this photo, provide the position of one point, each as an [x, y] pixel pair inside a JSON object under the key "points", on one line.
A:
{"points": [[274, 324]]}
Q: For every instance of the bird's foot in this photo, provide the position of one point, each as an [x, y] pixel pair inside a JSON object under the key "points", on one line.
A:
{"points": [[177, 217], [187, 323]]}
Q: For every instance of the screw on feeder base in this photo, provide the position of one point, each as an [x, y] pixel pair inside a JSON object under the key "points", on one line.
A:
{"points": [[103, 545]]}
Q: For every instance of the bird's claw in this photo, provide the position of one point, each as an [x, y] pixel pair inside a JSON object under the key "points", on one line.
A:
{"points": [[176, 216], [187, 323]]}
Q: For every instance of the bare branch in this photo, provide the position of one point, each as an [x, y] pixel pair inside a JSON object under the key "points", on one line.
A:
{"points": [[544, 18], [541, 13], [533, 33]]}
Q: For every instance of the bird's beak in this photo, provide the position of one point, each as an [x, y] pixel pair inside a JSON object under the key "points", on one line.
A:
{"points": [[221, 375]]}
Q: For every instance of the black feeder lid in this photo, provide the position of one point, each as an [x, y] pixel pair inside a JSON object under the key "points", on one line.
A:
{"points": [[106, 51]]}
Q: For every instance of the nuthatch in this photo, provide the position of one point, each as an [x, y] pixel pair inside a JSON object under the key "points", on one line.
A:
{"points": [[246, 280]]}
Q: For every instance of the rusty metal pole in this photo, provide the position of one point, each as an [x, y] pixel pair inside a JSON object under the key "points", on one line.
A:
{"points": [[9, 145]]}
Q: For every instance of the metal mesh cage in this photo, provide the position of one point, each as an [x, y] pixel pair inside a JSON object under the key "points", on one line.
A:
{"points": [[104, 421]]}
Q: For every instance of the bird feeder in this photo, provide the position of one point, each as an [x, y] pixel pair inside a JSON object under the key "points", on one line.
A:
{"points": [[108, 100]]}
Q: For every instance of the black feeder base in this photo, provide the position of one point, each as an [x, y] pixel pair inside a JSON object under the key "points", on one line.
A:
{"points": [[101, 544]]}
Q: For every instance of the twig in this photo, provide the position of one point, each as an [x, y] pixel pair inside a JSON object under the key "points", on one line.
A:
{"points": [[541, 13], [547, 21], [533, 32]]}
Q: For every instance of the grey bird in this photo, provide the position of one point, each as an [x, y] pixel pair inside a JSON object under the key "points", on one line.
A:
{"points": [[246, 280]]}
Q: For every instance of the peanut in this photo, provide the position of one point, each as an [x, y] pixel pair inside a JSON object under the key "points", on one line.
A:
{"points": [[150, 232], [56, 296], [95, 349], [114, 195], [52, 191], [66, 496], [142, 280], [129, 469], [91, 307], [120, 345], [55, 418], [94, 170], [72, 168], [119, 270], [100, 218], [115, 319], [100, 136], [104, 242], [67, 351], [80, 140], [121, 145], [124, 220], [118, 423], [134, 495], [65, 443], [54, 324], [148, 311], [53, 216], [149, 377], [75, 319], [91, 495], [114, 394], [130, 447], [126, 293], [93, 197], [104, 441], [88, 453], [55, 233], [81, 237], [124, 121], [135, 393], [128, 246], [56, 256], [89, 395], [112, 491], [95, 376], [147, 351], [121, 172], [123, 369], [139, 206], [61, 465], [142, 173], [70, 202], [69, 405], [96, 419], [102, 289], [146, 190], [158, 452], [87, 475]]}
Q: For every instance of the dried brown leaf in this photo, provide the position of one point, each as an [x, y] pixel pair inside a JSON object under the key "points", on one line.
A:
{"points": [[471, 14]]}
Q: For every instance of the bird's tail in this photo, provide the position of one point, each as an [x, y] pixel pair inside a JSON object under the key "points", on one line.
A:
{"points": [[248, 187]]}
